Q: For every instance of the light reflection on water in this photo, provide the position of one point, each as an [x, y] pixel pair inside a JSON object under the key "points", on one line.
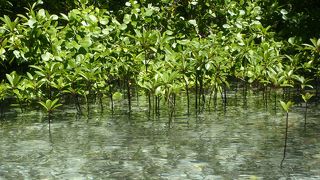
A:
{"points": [[236, 144]]}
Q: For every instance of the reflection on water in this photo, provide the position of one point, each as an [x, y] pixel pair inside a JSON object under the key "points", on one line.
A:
{"points": [[236, 144]]}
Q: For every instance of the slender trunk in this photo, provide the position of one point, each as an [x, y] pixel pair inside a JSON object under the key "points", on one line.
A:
{"points": [[245, 95], [169, 110], [111, 99], [20, 104], [1, 109], [317, 87], [49, 91], [225, 96], [305, 116], [77, 104], [146, 59], [171, 107], [129, 95], [87, 97], [266, 98], [209, 101], [154, 105], [196, 93], [158, 106], [202, 93], [149, 101], [215, 97], [137, 94], [285, 140], [188, 98], [100, 101], [49, 118], [174, 102], [275, 100], [88, 105]]}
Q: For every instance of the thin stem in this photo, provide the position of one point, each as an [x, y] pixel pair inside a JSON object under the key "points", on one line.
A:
{"points": [[285, 140], [196, 93], [305, 116], [129, 94], [101, 104], [188, 98]]}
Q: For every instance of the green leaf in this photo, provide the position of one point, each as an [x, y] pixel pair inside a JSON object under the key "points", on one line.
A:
{"points": [[286, 106], [7, 21], [153, 49], [226, 26], [17, 53], [104, 21], [148, 12], [40, 73], [123, 26], [84, 1], [54, 17], [128, 4], [307, 96], [44, 105], [117, 96], [242, 12], [208, 65], [46, 56], [50, 105], [2, 51], [42, 13], [283, 11], [86, 42], [31, 22], [193, 22], [127, 19], [93, 18], [9, 78], [291, 40], [65, 17]]}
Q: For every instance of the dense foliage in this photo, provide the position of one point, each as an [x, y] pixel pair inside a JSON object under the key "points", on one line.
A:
{"points": [[89, 51]]}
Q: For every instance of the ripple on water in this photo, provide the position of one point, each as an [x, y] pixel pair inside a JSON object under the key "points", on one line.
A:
{"points": [[236, 144]]}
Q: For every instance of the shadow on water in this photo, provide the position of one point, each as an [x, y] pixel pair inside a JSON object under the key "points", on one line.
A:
{"points": [[230, 142]]}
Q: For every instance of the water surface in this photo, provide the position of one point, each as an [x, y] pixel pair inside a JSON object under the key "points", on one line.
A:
{"points": [[239, 143]]}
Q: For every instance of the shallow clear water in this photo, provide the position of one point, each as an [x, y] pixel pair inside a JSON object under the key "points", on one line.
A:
{"points": [[240, 143]]}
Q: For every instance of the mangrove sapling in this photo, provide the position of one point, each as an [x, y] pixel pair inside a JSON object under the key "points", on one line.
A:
{"points": [[117, 96], [187, 92], [49, 106], [88, 74], [99, 87], [286, 107], [14, 85], [59, 84], [33, 83], [3, 95], [75, 94], [306, 97], [128, 82], [276, 79], [47, 73]]}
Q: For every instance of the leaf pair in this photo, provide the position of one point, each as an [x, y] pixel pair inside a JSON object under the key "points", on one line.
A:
{"points": [[286, 105], [306, 97], [14, 79], [50, 105]]}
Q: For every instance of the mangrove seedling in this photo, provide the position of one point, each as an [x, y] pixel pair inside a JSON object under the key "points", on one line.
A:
{"points": [[3, 95], [286, 107], [50, 106], [14, 85], [117, 96], [306, 97]]}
